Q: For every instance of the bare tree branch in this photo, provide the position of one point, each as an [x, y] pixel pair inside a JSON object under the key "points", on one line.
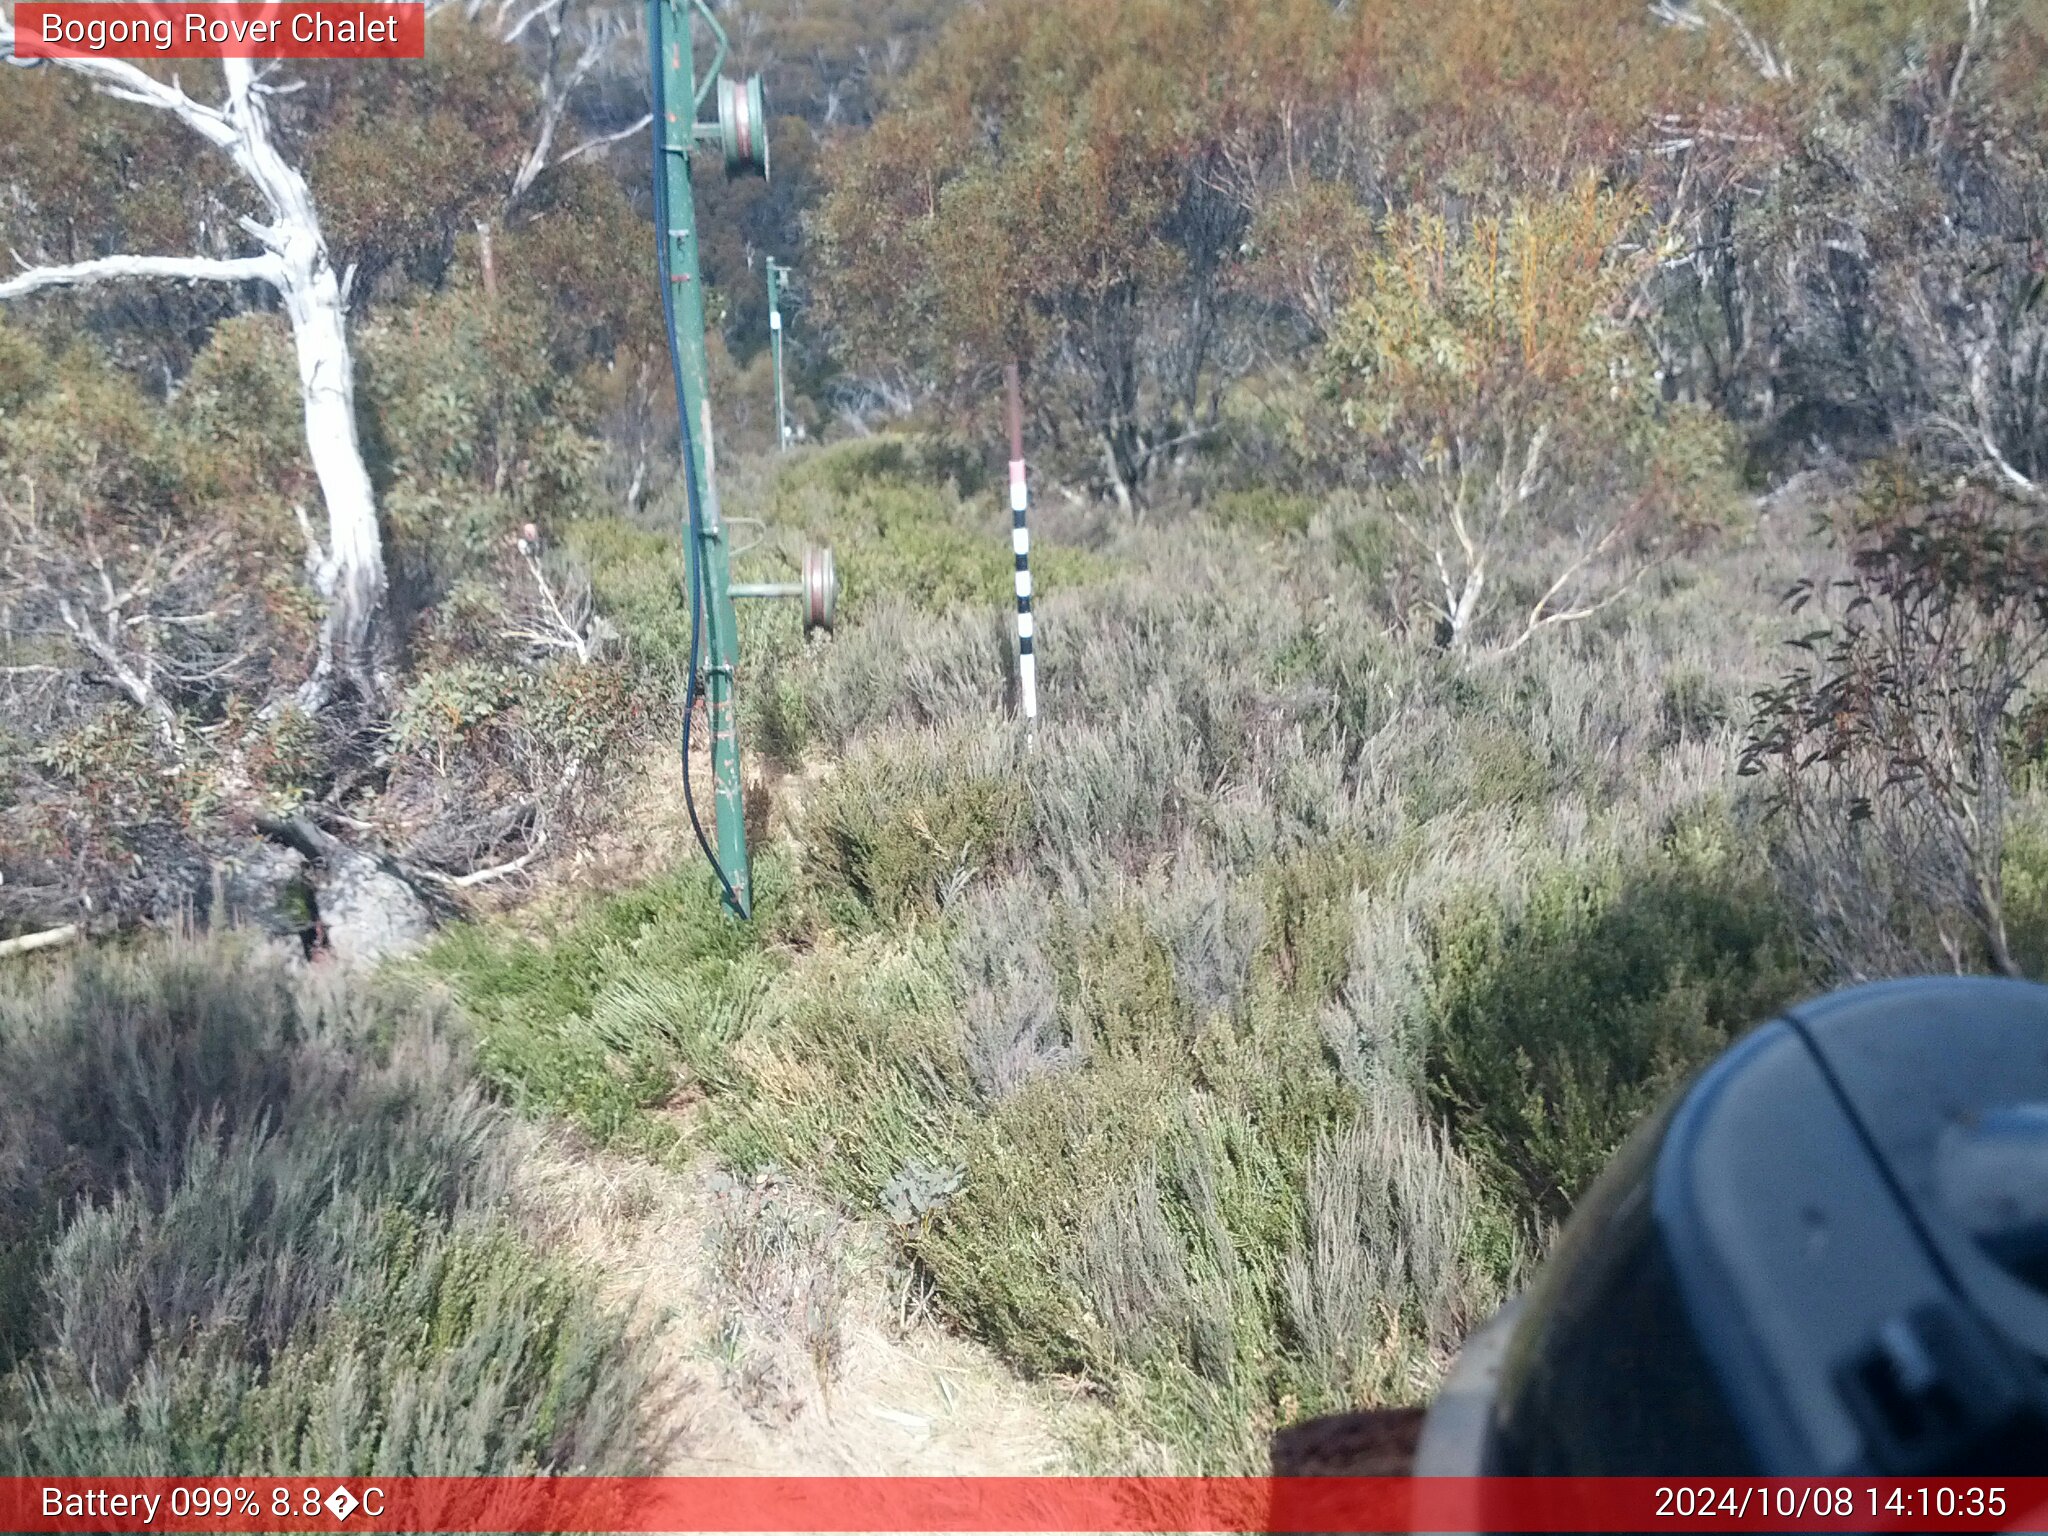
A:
{"points": [[106, 269], [1767, 61], [124, 82], [2008, 472], [588, 146], [564, 622], [1963, 58], [496, 872], [594, 32], [1540, 620], [512, 32], [140, 690]]}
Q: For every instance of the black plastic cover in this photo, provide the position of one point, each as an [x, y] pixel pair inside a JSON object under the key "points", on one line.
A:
{"points": [[1823, 1258]]}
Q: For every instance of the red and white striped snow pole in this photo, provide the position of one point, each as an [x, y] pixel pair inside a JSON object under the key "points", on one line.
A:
{"points": [[1020, 542]]}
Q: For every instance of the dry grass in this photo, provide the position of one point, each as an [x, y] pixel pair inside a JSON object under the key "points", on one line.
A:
{"points": [[1380, 1294], [692, 1252]]}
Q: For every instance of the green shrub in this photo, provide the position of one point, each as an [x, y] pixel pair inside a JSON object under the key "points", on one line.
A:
{"points": [[2026, 891], [1121, 994], [777, 722], [845, 469], [1264, 511], [1213, 928], [1367, 542], [1385, 1277], [639, 581], [245, 1226], [1557, 1025], [1033, 1165], [628, 1010], [1308, 905], [1134, 1162], [87, 436], [1693, 707], [238, 418], [1174, 1264], [24, 369], [461, 391], [440, 710], [922, 546], [850, 1069], [1123, 784], [284, 754], [1484, 760], [910, 522], [891, 836]]}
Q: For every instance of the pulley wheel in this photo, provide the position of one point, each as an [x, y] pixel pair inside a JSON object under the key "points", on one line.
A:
{"points": [[821, 590], [743, 125]]}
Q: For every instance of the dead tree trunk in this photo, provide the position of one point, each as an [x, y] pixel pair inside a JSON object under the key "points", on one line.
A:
{"points": [[349, 569]]}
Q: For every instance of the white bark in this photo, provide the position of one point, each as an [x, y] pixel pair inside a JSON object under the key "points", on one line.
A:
{"points": [[1769, 63], [495, 872], [28, 943], [141, 691], [350, 574], [563, 623], [605, 140], [1473, 528], [195, 269], [556, 87], [595, 34]]}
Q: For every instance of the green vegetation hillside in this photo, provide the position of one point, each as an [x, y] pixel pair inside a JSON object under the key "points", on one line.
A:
{"points": [[1230, 1045]]}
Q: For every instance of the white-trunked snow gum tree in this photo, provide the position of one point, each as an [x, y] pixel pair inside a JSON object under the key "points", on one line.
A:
{"points": [[292, 258]]}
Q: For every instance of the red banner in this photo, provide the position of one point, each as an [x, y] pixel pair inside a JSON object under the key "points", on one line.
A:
{"points": [[1022, 1504], [221, 29]]}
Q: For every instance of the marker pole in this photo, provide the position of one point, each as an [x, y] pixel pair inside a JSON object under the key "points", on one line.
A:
{"points": [[775, 276], [1020, 543]]}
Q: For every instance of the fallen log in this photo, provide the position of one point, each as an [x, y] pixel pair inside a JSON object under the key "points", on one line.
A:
{"points": [[47, 939]]}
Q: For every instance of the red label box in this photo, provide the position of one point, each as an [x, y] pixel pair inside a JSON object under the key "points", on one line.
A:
{"points": [[1242, 1506], [221, 29]]}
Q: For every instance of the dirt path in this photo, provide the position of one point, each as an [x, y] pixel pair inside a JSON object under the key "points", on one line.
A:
{"points": [[783, 1337], [786, 1337]]}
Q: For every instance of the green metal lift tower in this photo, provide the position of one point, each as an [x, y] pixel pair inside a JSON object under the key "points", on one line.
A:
{"points": [[740, 132]]}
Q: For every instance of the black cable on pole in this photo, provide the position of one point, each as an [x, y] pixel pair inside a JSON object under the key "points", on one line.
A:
{"points": [[693, 522]]}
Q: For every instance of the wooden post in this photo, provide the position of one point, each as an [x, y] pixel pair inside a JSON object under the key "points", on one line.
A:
{"points": [[486, 258]]}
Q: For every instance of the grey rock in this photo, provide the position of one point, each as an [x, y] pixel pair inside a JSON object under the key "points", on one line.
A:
{"points": [[367, 913], [260, 885]]}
